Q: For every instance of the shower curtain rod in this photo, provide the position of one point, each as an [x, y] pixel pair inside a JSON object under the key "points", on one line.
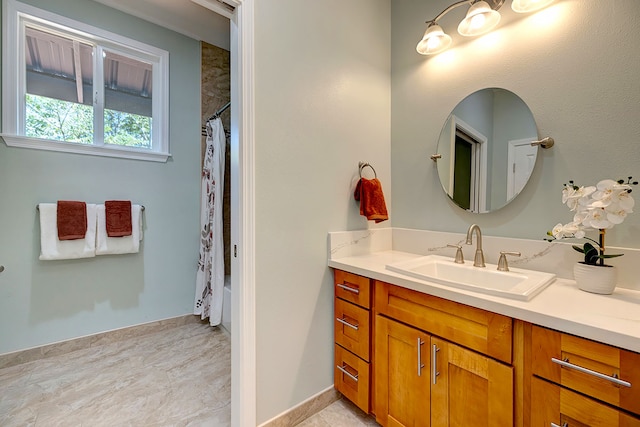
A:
{"points": [[220, 111], [215, 116]]}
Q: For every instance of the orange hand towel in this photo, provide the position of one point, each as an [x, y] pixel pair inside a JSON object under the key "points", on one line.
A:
{"points": [[372, 205], [71, 220], [118, 217]]}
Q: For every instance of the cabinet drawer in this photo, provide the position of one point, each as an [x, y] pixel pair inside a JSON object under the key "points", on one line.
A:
{"points": [[589, 367], [351, 377], [477, 329], [353, 288], [351, 329], [551, 403]]}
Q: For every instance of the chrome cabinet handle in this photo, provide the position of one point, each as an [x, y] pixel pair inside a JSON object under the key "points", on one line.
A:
{"points": [[565, 363], [344, 371], [344, 322], [434, 363], [556, 425], [348, 288], [420, 364]]}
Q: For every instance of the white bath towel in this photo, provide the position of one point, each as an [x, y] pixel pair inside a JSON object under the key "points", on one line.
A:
{"points": [[119, 245], [53, 249]]}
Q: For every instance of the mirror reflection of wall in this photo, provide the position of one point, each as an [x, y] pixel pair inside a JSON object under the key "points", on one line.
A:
{"points": [[486, 153]]}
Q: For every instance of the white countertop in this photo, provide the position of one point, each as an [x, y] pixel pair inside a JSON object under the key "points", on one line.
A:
{"points": [[611, 319]]}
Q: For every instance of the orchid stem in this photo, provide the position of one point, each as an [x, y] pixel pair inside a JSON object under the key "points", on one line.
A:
{"points": [[602, 231]]}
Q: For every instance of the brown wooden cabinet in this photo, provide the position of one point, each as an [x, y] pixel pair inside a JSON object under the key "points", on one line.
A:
{"points": [[422, 378], [352, 348], [553, 405], [414, 359], [402, 372], [582, 382], [468, 388]]}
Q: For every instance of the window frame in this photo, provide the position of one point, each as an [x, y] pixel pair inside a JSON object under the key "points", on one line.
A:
{"points": [[14, 84]]}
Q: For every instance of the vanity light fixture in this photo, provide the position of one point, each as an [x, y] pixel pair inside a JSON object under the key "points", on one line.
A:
{"points": [[482, 17]]}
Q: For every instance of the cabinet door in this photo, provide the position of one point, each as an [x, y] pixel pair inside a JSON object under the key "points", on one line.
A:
{"points": [[469, 389], [552, 404], [402, 370]]}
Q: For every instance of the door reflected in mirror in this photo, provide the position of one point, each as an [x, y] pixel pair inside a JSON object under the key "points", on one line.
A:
{"points": [[485, 148]]}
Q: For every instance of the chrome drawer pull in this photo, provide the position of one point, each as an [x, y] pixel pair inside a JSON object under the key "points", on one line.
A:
{"points": [[348, 288], [556, 425], [344, 322], [420, 364], [344, 371], [434, 363], [614, 380]]}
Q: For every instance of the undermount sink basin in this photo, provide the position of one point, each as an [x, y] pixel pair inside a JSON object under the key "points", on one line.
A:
{"points": [[516, 284]]}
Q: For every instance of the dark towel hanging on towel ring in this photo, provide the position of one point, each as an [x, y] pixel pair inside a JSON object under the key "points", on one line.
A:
{"points": [[369, 193], [364, 165]]}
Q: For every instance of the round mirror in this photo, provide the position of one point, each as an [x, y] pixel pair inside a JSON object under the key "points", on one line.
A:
{"points": [[485, 150]]}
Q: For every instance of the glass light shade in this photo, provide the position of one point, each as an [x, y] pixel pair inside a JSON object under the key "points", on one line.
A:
{"points": [[434, 41], [480, 19], [526, 6]]}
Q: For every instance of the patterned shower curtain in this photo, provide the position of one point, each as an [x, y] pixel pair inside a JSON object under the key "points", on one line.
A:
{"points": [[210, 275]]}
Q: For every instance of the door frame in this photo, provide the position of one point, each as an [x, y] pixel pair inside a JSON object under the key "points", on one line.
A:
{"points": [[512, 144], [479, 159], [243, 321]]}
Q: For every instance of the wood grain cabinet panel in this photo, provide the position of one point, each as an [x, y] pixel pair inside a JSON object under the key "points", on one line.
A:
{"points": [[352, 328], [351, 377], [353, 288], [402, 374], [469, 389], [599, 370], [559, 406], [480, 330], [352, 333]]}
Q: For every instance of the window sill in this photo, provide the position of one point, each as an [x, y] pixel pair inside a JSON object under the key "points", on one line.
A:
{"points": [[92, 150]]}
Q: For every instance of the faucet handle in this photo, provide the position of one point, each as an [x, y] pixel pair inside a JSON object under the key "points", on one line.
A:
{"points": [[459, 255], [502, 261]]}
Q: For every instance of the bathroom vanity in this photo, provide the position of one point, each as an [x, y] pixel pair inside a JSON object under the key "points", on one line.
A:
{"points": [[418, 353]]}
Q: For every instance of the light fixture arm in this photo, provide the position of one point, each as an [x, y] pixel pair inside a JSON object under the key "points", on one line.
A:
{"points": [[495, 5]]}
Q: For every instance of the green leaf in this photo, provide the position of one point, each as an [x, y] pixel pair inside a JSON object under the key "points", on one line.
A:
{"points": [[610, 256], [591, 254], [578, 248]]}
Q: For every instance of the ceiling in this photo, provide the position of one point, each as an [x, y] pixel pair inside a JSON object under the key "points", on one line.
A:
{"points": [[182, 16]]}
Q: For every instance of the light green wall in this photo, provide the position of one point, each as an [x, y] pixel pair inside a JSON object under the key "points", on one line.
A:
{"points": [[575, 65], [47, 301], [322, 105]]}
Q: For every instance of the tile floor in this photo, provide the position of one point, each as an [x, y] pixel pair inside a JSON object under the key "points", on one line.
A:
{"points": [[175, 377], [341, 413]]}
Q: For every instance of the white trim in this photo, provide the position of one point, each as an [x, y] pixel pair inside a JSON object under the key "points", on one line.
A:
{"points": [[218, 8], [512, 144], [243, 280], [480, 158], [14, 80], [95, 150]]}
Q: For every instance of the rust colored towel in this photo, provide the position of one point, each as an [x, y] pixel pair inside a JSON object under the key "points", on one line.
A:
{"points": [[118, 217], [71, 220], [372, 205]]}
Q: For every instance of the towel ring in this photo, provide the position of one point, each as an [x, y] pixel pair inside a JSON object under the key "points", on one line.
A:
{"points": [[363, 165]]}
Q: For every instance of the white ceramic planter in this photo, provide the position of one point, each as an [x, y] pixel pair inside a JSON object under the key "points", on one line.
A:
{"points": [[595, 279]]}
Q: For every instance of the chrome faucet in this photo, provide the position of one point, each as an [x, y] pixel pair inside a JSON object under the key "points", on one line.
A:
{"points": [[478, 259]]}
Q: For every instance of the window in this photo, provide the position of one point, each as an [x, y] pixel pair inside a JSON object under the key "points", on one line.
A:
{"points": [[71, 87]]}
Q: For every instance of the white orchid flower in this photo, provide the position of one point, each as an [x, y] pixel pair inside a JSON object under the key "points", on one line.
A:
{"points": [[617, 216], [571, 229], [597, 218], [609, 191], [573, 197]]}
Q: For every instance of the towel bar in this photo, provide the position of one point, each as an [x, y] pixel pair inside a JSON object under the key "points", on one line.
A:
{"points": [[141, 207]]}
